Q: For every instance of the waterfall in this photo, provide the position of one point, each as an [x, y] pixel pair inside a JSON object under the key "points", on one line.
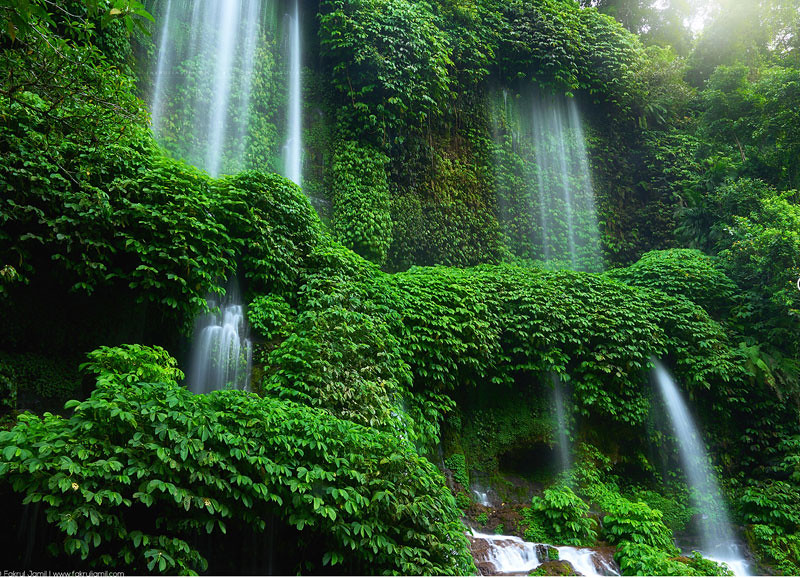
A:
{"points": [[294, 139], [561, 423], [568, 219], [156, 113], [228, 18], [546, 198], [552, 216], [221, 354], [506, 555], [717, 539], [201, 92]]}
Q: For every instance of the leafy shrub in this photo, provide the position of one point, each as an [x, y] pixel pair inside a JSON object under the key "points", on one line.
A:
{"points": [[134, 364], [639, 559], [563, 516], [272, 227], [195, 464], [674, 512], [389, 58], [682, 272], [345, 362], [771, 509], [361, 218], [271, 316], [627, 521]]}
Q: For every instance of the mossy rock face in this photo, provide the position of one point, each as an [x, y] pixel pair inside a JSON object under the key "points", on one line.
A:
{"points": [[555, 568]]}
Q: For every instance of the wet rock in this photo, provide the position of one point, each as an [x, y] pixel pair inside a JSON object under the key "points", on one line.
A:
{"points": [[556, 568], [480, 549], [546, 552], [486, 569], [604, 561]]}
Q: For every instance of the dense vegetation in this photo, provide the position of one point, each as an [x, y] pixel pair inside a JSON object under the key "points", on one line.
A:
{"points": [[388, 377]]}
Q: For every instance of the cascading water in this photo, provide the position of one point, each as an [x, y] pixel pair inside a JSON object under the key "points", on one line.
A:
{"points": [[156, 108], [203, 82], [294, 143], [717, 539], [228, 18], [568, 218], [545, 197], [222, 354], [547, 207], [504, 555]]}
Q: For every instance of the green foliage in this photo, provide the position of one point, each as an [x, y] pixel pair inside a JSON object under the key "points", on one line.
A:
{"points": [[482, 519], [457, 463], [563, 516], [560, 44], [639, 559], [21, 19], [627, 521], [495, 424], [675, 513], [361, 219], [463, 501], [201, 463], [684, 273], [271, 317], [460, 328], [754, 234], [388, 58], [29, 375], [133, 364], [272, 227], [450, 220], [770, 508], [344, 361]]}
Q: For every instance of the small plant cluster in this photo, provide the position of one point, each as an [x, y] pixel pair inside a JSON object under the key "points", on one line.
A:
{"points": [[457, 464], [774, 523], [563, 518]]}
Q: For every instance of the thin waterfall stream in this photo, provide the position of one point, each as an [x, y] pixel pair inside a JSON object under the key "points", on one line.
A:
{"points": [[717, 538], [294, 145]]}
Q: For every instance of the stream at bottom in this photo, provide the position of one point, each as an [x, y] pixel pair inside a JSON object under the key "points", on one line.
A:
{"points": [[497, 555]]}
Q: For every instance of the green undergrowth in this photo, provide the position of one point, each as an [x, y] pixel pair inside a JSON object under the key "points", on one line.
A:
{"points": [[142, 443]]}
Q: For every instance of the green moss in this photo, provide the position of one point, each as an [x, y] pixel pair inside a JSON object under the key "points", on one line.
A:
{"points": [[458, 464]]}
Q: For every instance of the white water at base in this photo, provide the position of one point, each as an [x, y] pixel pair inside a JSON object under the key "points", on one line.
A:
{"points": [[222, 354], [717, 536], [512, 555], [482, 495], [294, 140], [586, 562]]}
